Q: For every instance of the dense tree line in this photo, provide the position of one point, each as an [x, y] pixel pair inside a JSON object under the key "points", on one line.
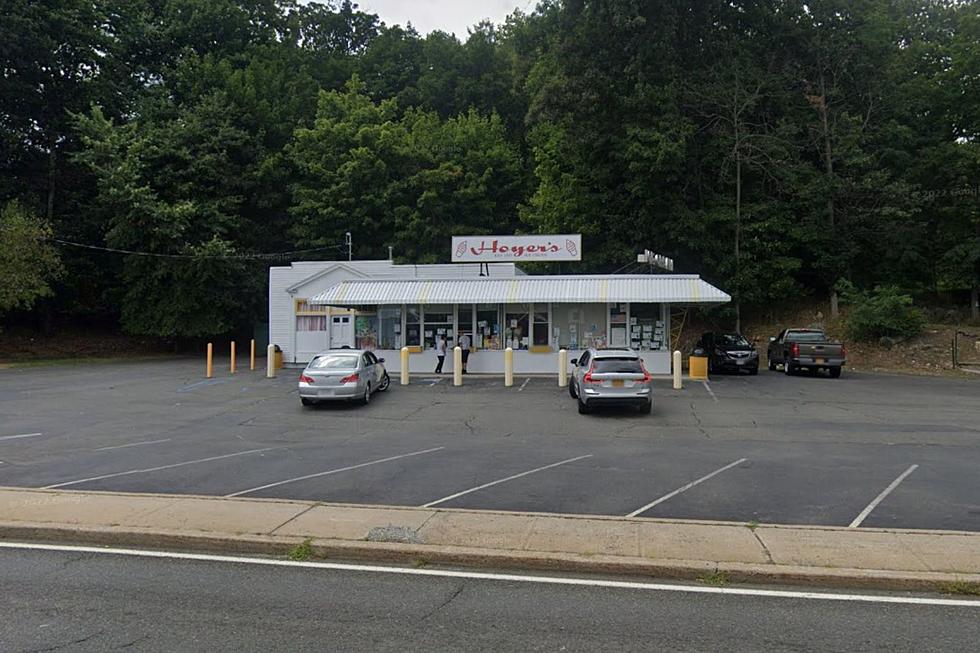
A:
{"points": [[774, 146]]}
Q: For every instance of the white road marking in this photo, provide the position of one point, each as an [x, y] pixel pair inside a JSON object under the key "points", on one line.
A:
{"points": [[156, 469], [22, 435], [503, 480], [524, 385], [131, 444], [510, 578], [333, 471], [708, 388], [435, 382], [685, 488], [881, 497]]}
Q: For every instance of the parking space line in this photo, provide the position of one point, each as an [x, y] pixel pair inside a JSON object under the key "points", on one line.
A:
{"points": [[334, 471], [710, 391], [881, 497], [22, 435], [131, 444], [503, 480], [524, 385], [157, 469], [685, 488]]}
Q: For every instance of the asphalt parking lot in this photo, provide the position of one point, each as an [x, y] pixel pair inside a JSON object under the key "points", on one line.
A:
{"points": [[864, 450]]}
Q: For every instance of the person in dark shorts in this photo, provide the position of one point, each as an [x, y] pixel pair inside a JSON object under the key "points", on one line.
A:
{"points": [[440, 353], [464, 344]]}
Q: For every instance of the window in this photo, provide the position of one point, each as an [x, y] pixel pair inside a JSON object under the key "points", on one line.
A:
{"points": [[390, 327], [413, 326], [334, 362], [617, 365], [438, 321], [366, 329], [647, 330], [464, 321], [540, 335], [488, 334], [310, 317], [516, 323], [579, 326]]}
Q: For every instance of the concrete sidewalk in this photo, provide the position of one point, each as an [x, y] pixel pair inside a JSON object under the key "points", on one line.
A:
{"points": [[894, 559]]}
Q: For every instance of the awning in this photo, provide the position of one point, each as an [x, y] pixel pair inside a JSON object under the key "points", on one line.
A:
{"points": [[571, 289]]}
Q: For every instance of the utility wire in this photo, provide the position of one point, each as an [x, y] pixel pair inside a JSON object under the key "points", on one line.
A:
{"points": [[270, 255]]}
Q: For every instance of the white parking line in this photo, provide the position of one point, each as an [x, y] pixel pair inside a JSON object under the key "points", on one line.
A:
{"points": [[131, 444], [156, 469], [881, 497], [708, 388], [333, 471], [685, 488], [22, 435], [503, 480], [509, 578], [524, 385]]}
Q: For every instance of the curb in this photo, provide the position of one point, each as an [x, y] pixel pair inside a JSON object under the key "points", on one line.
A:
{"points": [[415, 554]]}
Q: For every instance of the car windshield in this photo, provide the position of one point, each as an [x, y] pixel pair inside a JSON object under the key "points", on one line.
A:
{"points": [[614, 365], [806, 336], [334, 362], [732, 340]]}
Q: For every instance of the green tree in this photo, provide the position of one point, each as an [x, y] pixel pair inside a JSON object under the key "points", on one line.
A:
{"points": [[28, 260]]}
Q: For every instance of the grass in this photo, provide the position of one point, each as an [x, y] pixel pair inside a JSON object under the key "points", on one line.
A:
{"points": [[961, 587], [302, 551], [418, 563], [752, 525], [716, 578]]}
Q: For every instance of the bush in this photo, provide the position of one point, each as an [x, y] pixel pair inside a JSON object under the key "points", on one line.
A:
{"points": [[885, 312]]}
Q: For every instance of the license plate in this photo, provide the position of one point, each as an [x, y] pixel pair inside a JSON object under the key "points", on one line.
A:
{"points": [[618, 383], [819, 360]]}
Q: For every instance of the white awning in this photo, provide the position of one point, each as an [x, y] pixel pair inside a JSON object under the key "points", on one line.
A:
{"points": [[570, 289]]}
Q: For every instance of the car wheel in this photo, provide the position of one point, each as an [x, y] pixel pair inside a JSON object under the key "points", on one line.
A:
{"points": [[367, 395], [583, 408], [307, 402], [788, 368], [571, 390], [645, 408], [772, 365], [835, 372], [385, 382]]}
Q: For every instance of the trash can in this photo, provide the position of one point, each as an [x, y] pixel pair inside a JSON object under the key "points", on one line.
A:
{"points": [[697, 365], [278, 358]]}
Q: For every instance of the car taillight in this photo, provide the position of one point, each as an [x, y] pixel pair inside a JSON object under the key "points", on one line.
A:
{"points": [[795, 349], [305, 379], [350, 379], [646, 375], [588, 376]]}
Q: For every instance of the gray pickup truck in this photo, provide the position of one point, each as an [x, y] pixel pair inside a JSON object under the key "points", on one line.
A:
{"points": [[809, 349]]}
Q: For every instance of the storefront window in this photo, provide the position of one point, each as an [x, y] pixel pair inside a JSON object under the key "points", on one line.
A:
{"points": [[617, 325], [413, 326], [646, 328], [488, 332], [366, 329], [540, 332], [390, 332], [464, 322], [438, 321], [579, 326], [516, 326]]}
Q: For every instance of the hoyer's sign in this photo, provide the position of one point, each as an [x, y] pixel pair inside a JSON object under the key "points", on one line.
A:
{"points": [[481, 249]]}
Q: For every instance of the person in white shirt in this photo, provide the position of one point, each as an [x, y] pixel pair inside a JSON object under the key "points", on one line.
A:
{"points": [[440, 352], [464, 344]]}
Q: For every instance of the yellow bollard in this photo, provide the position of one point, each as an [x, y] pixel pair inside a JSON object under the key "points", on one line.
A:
{"points": [[676, 369], [508, 367], [457, 365], [562, 368], [210, 360], [404, 365], [270, 362], [232, 356], [251, 358]]}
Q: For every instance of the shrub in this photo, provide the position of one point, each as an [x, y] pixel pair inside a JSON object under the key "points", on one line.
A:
{"points": [[885, 312]]}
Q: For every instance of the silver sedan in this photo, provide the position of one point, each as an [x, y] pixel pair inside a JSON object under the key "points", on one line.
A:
{"points": [[343, 375], [609, 377]]}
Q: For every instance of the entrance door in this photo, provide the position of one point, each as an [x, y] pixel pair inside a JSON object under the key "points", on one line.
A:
{"points": [[340, 332]]}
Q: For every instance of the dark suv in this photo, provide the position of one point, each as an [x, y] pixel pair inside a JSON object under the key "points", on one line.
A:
{"points": [[728, 352]]}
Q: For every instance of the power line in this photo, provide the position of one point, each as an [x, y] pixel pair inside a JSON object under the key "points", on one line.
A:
{"points": [[268, 255]]}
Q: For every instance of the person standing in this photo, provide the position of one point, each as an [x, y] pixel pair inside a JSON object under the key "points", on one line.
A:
{"points": [[440, 353], [464, 344]]}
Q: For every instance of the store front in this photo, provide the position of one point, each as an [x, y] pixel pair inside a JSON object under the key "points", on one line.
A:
{"points": [[536, 316]]}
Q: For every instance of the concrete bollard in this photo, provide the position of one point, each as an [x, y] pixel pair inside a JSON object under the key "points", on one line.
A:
{"points": [[232, 356], [508, 367], [270, 362], [404, 365], [251, 355], [210, 366], [676, 369], [457, 365], [562, 368]]}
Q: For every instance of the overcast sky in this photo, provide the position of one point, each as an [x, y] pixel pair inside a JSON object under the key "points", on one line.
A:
{"points": [[452, 16]]}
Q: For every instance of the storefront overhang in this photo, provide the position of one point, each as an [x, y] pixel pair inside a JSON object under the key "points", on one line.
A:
{"points": [[688, 290]]}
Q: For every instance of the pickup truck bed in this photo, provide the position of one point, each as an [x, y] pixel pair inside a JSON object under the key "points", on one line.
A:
{"points": [[796, 349]]}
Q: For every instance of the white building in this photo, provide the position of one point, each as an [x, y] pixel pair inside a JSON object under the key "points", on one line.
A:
{"points": [[382, 306]]}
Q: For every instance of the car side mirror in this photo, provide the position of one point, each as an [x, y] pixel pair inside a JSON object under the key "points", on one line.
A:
{"points": [[772, 338], [574, 361], [381, 360]]}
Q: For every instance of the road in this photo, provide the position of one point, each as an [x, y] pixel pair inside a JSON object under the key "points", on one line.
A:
{"points": [[81, 601], [769, 449]]}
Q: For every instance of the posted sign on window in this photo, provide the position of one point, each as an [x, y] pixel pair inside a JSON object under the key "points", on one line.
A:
{"points": [[487, 249]]}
